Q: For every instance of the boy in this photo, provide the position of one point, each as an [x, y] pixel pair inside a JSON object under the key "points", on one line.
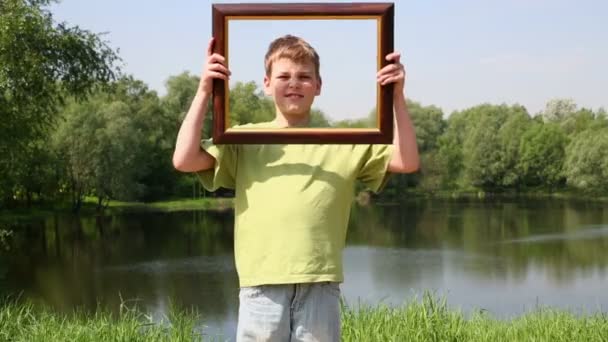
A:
{"points": [[292, 201]]}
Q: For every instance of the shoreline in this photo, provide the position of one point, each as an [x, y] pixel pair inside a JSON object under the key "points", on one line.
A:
{"points": [[425, 319], [224, 204]]}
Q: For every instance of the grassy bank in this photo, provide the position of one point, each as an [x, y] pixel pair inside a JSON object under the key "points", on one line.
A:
{"points": [[89, 207], [174, 205], [432, 320], [426, 320], [521, 194], [24, 322]]}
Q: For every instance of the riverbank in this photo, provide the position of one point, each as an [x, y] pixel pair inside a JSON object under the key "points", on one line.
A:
{"points": [[524, 194], [89, 207], [432, 320], [425, 320], [218, 204]]}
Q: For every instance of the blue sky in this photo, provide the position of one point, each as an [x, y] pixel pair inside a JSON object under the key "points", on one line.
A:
{"points": [[457, 54]]}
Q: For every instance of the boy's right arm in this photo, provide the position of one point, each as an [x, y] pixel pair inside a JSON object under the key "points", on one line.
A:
{"points": [[188, 155]]}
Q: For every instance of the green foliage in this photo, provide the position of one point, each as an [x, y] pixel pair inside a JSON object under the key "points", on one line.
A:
{"points": [[180, 93], [510, 135], [245, 102], [586, 165], [431, 319], [37, 174], [431, 173], [428, 319], [542, 154], [450, 151], [367, 122], [248, 104], [318, 118], [265, 110], [578, 122], [557, 110], [4, 236], [490, 150], [572, 120], [69, 129], [429, 125], [481, 147], [109, 144], [24, 322], [41, 63], [353, 123]]}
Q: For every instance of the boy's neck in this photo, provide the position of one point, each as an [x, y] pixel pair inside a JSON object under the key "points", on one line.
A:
{"points": [[285, 121]]}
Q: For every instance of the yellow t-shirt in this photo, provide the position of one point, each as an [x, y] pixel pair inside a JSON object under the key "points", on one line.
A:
{"points": [[292, 205]]}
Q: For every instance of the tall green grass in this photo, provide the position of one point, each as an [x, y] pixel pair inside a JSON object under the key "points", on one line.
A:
{"points": [[25, 322], [431, 320], [428, 319]]}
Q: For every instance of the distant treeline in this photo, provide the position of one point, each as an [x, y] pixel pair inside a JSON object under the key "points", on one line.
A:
{"points": [[118, 143], [73, 126]]}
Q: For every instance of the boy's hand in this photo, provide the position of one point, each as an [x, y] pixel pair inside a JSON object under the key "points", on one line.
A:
{"points": [[393, 73], [215, 67]]}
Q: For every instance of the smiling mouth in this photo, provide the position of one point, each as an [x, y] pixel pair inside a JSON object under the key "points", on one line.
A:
{"points": [[294, 96]]}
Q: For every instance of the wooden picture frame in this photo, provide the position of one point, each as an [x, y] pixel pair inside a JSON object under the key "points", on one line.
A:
{"points": [[222, 14]]}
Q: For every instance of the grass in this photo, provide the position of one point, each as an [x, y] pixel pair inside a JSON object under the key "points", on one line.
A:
{"points": [[90, 203], [175, 205], [474, 194], [432, 320], [24, 322], [426, 320]]}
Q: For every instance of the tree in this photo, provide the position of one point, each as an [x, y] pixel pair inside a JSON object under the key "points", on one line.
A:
{"points": [[429, 124], [40, 176], [491, 150], [558, 109], [41, 63], [181, 90], [542, 153], [370, 121], [249, 104], [482, 155], [318, 118], [510, 136], [451, 154], [480, 146], [74, 141], [266, 110], [116, 146], [586, 165], [578, 121], [352, 123], [244, 101]]}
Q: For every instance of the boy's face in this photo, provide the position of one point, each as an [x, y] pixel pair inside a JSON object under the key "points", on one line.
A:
{"points": [[293, 86]]}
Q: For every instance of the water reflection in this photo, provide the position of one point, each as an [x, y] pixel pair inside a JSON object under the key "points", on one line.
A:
{"points": [[503, 256]]}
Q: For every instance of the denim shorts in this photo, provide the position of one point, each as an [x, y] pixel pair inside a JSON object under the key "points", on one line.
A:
{"points": [[289, 312]]}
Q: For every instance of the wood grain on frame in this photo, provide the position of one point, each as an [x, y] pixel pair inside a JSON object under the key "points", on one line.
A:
{"points": [[383, 12]]}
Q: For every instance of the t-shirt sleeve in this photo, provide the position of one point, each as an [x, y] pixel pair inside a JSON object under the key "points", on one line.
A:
{"points": [[223, 174], [374, 168]]}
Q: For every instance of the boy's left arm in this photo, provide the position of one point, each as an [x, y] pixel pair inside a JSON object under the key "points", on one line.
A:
{"points": [[405, 157]]}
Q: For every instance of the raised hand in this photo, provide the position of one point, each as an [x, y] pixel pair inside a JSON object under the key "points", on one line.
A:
{"points": [[393, 73], [215, 67]]}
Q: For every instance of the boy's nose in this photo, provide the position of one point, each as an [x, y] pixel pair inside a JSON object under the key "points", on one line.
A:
{"points": [[293, 82]]}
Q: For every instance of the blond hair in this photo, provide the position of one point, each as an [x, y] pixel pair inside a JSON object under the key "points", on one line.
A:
{"points": [[293, 48]]}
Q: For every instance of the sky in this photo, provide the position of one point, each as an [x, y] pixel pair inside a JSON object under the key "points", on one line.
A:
{"points": [[457, 54]]}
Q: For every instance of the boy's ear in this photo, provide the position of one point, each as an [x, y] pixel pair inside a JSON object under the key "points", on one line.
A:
{"points": [[319, 84], [267, 89]]}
